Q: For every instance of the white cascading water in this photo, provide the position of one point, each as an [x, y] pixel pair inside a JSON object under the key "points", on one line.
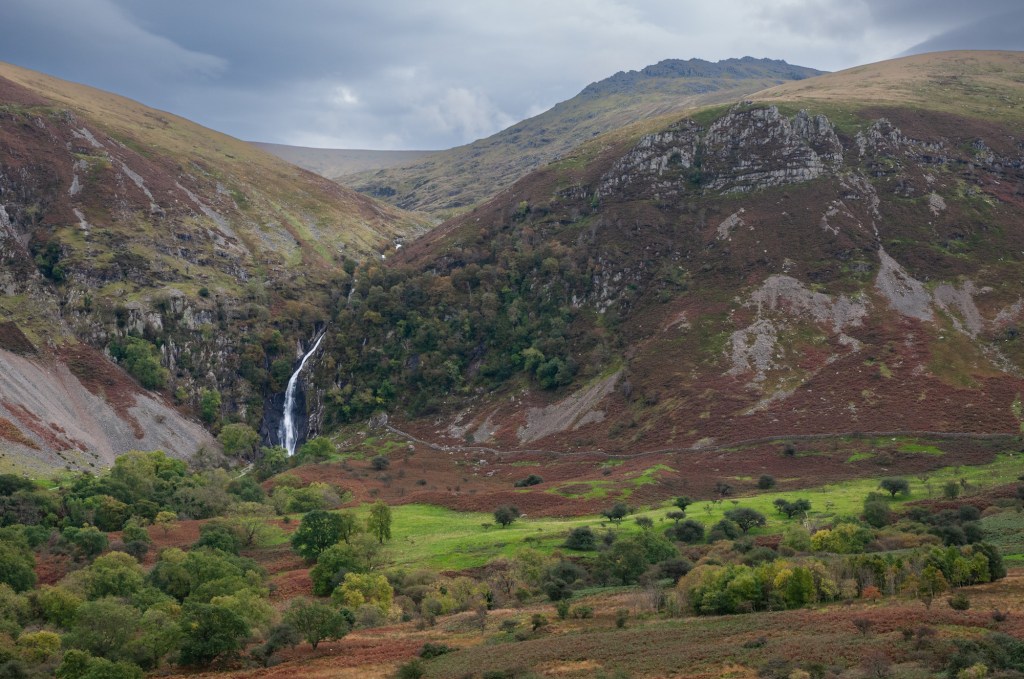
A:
{"points": [[288, 433]]}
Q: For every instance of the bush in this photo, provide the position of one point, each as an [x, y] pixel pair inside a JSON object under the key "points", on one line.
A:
{"points": [[959, 602], [689, 531], [531, 480], [724, 530], [581, 539], [582, 611], [430, 650], [766, 482], [380, 463], [621, 616], [414, 669]]}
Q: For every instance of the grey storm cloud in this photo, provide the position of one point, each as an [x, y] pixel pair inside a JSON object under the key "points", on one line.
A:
{"points": [[409, 74]]}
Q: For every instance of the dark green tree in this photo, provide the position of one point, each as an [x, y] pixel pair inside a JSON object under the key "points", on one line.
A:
{"points": [[746, 518], [318, 530], [211, 633], [505, 515], [378, 523]]}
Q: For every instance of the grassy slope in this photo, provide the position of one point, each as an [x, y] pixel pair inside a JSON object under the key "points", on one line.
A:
{"points": [[433, 537], [979, 84], [264, 182]]}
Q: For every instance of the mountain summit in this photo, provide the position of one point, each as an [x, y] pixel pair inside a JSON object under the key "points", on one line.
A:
{"points": [[463, 176]]}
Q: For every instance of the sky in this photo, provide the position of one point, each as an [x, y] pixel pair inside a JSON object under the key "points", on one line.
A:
{"points": [[409, 74]]}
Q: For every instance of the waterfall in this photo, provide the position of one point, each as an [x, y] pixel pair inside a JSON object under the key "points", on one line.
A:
{"points": [[288, 435]]}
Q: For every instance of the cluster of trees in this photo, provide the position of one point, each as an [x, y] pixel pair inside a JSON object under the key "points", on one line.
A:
{"points": [[110, 618], [507, 312], [779, 583]]}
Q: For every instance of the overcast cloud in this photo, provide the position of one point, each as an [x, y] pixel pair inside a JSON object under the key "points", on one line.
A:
{"points": [[407, 74]]}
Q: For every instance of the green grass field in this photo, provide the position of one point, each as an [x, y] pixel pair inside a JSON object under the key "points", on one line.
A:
{"points": [[426, 536]]}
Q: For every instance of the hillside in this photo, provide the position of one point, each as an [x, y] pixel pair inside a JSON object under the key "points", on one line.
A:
{"points": [[458, 178], [338, 162], [120, 221], [768, 269]]}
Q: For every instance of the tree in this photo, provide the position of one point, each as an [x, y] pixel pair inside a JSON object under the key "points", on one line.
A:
{"points": [[88, 541], [337, 560], [318, 531], [316, 450], [80, 665], [103, 627], [17, 568], [791, 509], [359, 589], [877, 512], [164, 520], [378, 524], [683, 501], [280, 636], [316, 621], [746, 518], [211, 632], [114, 574], [930, 584], [616, 513], [272, 461], [209, 405], [238, 439], [505, 515], [894, 486], [142, 360]]}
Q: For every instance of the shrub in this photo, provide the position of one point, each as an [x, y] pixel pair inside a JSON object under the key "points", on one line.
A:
{"points": [[380, 463], [724, 530], [621, 616], [582, 611], [765, 482], [430, 650], [959, 602], [414, 669], [688, 531], [531, 480], [581, 539]]}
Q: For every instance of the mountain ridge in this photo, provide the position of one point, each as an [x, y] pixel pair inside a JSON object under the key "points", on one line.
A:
{"points": [[455, 179]]}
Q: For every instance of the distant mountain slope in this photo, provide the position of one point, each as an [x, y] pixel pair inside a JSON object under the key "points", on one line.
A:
{"points": [[117, 220], [460, 177], [814, 261], [338, 162]]}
